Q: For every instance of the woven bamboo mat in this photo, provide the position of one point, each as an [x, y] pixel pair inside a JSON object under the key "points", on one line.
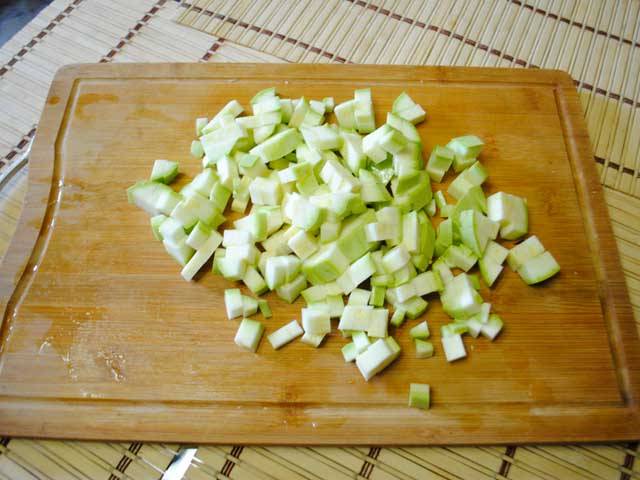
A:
{"points": [[598, 42]]}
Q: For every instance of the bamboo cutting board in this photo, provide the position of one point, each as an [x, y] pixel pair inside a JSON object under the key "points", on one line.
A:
{"points": [[102, 339]]}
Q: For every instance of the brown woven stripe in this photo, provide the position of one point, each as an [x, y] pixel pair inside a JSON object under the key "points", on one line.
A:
{"points": [[573, 23], [496, 52], [367, 466], [41, 34], [133, 32], [229, 464], [615, 166], [382, 11], [506, 464], [126, 460], [629, 460], [603, 92], [265, 31], [20, 145], [216, 45], [106, 58]]}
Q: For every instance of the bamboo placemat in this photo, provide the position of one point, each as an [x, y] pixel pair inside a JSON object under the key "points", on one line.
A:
{"points": [[596, 41]]}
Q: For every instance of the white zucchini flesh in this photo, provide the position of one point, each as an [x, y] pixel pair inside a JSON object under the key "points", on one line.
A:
{"points": [[312, 339], [200, 257], [490, 269], [378, 323], [233, 238], [285, 334], [316, 321], [355, 318], [459, 298], [180, 251], [254, 281], [164, 171], [249, 306], [377, 357], [249, 334], [524, 251], [360, 341], [492, 328], [199, 235], [539, 268], [359, 296], [511, 212], [233, 303], [420, 331], [496, 252], [303, 244], [453, 347], [349, 352], [424, 349]]}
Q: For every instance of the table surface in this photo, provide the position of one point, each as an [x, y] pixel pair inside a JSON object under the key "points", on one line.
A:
{"points": [[596, 42]]}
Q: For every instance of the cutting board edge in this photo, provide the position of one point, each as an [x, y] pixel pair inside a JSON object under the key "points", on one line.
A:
{"points": [[300, 425]]}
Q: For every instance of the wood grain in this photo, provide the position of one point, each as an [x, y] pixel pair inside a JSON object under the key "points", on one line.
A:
{"points": [[99, 327]]}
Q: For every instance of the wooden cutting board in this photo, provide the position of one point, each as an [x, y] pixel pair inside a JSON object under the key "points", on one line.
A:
{"points": [[102, 339]]}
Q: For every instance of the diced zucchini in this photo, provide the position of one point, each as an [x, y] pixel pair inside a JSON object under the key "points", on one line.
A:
{"points": [[359, 297], [466, 149], [360, 341], [285, 334], [355, 318], [419, 396], [156, 222], [312, 339], [460, 256], [459, 298], [524, 251], [414, 307], [233, 303], [202, 254], [489, 269], [249, 334], [349, 352], [398, 317], [254, 281], [249, 306], [199, 235], [538, 269], [406, 128], [423, 349], [377, 296], [263, 305], [496, 252], [453, 347], [376, 358], [180, 251], [492, 328], [164, 171], [363, 111], [153, 197], [420, 331], [290, 291], [278, 146], [378, 323], [316, 321], [511, 212]]}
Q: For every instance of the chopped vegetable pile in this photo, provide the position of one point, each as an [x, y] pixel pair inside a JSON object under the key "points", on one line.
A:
{"points": [[343, 209]]}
